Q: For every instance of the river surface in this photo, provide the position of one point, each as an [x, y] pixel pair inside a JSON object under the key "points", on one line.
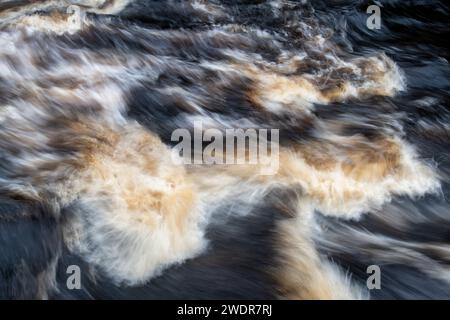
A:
{"points": [[91, 93]]}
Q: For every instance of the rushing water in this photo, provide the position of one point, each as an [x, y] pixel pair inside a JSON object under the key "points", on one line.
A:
{"points": [[89, 100]]}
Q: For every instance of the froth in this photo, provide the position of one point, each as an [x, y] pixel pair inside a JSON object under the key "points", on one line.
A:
{"points": [[137, 213]]}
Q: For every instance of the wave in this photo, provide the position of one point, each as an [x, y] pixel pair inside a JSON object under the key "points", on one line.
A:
{"points": [[87, 108]]}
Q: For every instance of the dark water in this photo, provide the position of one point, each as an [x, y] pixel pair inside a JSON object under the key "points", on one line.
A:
{"points": [[86, 117]]}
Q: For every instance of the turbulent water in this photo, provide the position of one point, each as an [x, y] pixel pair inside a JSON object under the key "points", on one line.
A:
{"points": [[90, 97]]}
